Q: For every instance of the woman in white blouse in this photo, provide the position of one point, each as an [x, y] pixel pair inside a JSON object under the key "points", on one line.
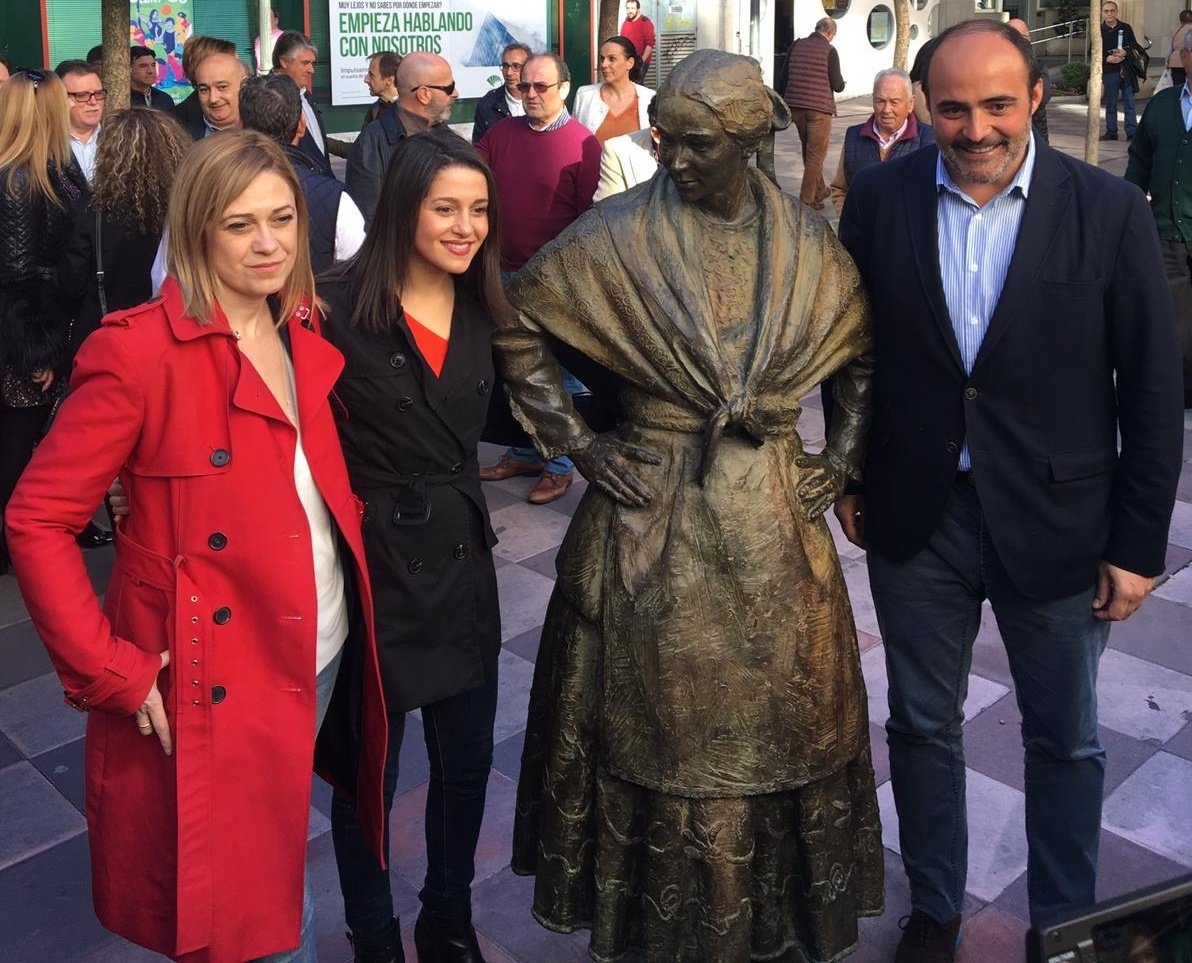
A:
{"points": [[618, 105]]}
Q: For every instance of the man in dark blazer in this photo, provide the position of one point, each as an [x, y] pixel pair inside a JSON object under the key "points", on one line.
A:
{"points": [[1022, 323], [294, 55]]}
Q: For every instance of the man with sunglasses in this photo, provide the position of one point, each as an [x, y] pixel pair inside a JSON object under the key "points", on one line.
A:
{"points": [[84, 91], [506, 100], [546, 166], [426, 93]]}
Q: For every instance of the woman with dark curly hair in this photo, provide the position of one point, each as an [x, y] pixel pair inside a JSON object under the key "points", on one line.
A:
{"points": [[139, 151]]}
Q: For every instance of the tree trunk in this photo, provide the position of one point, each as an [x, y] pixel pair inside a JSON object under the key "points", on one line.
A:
{"points": [[902, 33], [610, 19], [116, 63], [1093, 128]]}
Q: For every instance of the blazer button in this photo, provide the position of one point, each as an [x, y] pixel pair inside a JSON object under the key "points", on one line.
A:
{"points": [[217, 541], [220, 457], [415, 566], [970, 393], [460, 551], [218, 694], [397, 360], [405, 403], [457, 468], [223, 615], [950, 446], [482, 388]]}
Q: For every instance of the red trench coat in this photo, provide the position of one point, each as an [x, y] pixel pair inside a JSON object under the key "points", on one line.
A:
{"points": [[199, 856]]}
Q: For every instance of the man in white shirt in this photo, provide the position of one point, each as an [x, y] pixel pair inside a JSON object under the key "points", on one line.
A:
{"points": [[85, 93]]}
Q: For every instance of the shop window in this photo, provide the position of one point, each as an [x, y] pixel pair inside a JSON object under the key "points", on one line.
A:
{"points": [[880, 26]]}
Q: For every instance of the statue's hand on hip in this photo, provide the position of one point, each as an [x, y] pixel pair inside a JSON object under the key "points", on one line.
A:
{"points": [[822, 479], [609, 464]]}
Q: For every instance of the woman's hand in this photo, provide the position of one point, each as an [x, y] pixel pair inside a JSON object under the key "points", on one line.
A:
{"points": [[608, 464], [118, 501], [43, 378], [822, 480], [151, 717]]}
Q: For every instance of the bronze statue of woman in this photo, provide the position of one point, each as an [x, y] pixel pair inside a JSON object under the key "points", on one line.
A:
{"points": [[696, 785]]}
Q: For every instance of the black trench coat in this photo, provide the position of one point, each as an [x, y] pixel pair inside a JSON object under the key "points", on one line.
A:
{"points": [[410, 444]]}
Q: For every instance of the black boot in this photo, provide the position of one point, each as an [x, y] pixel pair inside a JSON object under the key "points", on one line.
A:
{"points": [[382, 949], [440, 939]]}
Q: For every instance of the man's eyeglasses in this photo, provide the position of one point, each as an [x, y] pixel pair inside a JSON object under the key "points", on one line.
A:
{"points": [[539, 86], [448, 89], [86, 96], [516, 67], [34, 75]]}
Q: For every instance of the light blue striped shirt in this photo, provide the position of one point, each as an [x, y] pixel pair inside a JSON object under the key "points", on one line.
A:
{"points": [[975, 247]]}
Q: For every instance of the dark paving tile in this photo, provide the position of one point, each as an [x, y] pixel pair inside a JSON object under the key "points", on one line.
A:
{"points": [[542, 563], [501, 909], [64, 768], [413, 766], [12, 609], [320, 795], [881, 753], [22, 656], [121, 951], [8, 753], [989, 654], [507, 755], [45, 908], [34, 717], [1157, 632], [99, 562], [992, 935], [1181, 743], [497, 498], [1177, 555], [526, 644], [35, 816]]}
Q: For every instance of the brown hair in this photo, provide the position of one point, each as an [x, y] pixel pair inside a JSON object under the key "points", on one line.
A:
{"points": [[34, 131], [139, 151], [198, 49], [215, 171]]}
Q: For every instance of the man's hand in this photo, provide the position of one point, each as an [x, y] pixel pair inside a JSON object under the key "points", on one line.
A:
{"points": [[850, 512], [1119, 593]]}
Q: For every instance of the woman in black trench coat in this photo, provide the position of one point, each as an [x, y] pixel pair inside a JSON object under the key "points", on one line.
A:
{"points": [[428, 272]]}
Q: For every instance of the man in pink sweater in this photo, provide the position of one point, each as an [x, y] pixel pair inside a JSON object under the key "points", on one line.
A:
{"points": [[546, 166]]}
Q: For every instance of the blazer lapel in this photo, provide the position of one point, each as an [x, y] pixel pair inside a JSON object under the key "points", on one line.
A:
{"points": [[922, 205], [1047, 201]]}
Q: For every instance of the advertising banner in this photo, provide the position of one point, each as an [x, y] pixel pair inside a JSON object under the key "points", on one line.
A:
{"points": [[164, 28], [470, 35]]}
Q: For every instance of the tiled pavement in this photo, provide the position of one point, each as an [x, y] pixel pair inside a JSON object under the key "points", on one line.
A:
{"points": [[1146, 714]]}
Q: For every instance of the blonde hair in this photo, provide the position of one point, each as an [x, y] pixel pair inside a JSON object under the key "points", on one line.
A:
{"points": [[34, 132], [215, 171], [139, 151]]}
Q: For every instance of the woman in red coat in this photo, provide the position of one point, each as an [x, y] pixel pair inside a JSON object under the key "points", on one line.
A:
{"points": [[228, 616]]}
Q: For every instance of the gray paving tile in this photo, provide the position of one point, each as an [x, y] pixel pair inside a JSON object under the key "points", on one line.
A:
{"points": [[880, 752], [525, 530], [22, 656], [989, 652], [543, 563], [524, 597], [1177, 556], [515, 676], [507, 755], [856, 577], [413, 763], [1158, 631], [1181, 520], [526, 644], [121, 951], [501, 908], [35, 816], [12, 609], [1141, 699], [497, 498], [34, 717], [8, 753], [1151, 807], [64, 768], [1181, 743]]}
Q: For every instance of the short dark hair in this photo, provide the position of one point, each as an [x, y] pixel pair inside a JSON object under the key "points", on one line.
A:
{"points": [[387, 63], [517, 45], [1033, 71], [288, 44], [1186, 16], [136, 53], [272, 105], [95, 54], [74, 68], [559, 62]]}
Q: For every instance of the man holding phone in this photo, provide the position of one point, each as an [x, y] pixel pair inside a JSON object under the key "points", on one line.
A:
{"points": [[1117, 38]]}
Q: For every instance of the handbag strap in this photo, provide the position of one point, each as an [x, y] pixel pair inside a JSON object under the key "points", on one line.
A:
{"points": [[103, 295]]}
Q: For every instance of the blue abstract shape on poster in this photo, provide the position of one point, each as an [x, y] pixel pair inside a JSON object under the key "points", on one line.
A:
{"points": [[491, 39]]}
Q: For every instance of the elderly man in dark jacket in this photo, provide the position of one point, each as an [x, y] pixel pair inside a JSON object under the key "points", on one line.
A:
{"points": [[506, 100]]}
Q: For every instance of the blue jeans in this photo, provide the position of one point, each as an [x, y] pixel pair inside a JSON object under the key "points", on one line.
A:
{"points": [[305, 953], [459, 744], [929, 610], [1112, 83], [556, 466]]}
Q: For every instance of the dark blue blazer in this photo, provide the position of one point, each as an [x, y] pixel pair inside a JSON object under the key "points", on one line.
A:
{"points": [[1082, 346]]}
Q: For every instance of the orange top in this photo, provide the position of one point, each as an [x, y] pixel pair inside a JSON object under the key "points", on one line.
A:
{"points": [[431, 346], [625, 122]]}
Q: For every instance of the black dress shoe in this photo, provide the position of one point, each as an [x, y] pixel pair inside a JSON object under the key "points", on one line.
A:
{"points": [[94, 537], [384, 949], [442, 940]]}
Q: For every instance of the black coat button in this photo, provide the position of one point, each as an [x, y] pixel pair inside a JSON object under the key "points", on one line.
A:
{"points": [[460, 551], [970, 393], [217, 541], [223, 615], [482, 387], [405, 403], [220, 457], [397, 360], [415, 566], [218, 694], [950, 446], [457, 468]]}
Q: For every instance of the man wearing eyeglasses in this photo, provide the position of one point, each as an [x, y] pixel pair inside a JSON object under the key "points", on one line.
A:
{"points": [[506, 100], [546, 167], [84, 91], [425, 95]]}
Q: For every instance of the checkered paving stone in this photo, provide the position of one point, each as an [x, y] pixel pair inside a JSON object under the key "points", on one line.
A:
{"points": [[1146, 715]]}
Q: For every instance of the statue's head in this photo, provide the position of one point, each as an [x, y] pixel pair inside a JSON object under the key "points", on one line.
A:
{"points": [[711, 114]]}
